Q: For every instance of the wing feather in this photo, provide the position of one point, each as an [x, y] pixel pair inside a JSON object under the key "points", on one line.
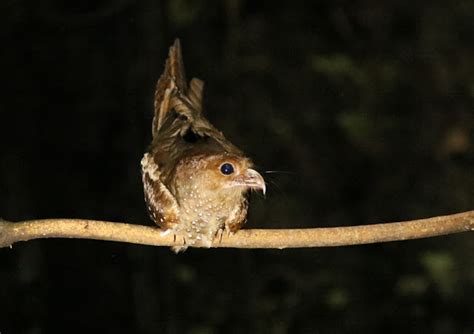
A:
{"points": [[162, 205], [238, 216], [173, 79]]}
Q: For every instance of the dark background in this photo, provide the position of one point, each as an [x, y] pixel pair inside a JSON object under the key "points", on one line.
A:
{"points": [[367, 106]]}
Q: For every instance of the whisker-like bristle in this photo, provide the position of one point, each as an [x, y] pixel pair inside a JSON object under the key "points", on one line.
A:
{"points": [[279, 172]]}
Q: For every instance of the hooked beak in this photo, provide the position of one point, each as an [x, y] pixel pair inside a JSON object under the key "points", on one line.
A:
{"points": [[251, 179]]}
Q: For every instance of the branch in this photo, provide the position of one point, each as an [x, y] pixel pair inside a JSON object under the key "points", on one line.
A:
{"points": [[11, 233]]}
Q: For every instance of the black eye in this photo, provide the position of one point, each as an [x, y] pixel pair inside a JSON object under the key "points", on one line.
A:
{"points": [[227, 168]]}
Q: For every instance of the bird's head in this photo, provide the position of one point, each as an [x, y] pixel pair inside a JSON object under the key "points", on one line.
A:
{"points": [[221, 173]]}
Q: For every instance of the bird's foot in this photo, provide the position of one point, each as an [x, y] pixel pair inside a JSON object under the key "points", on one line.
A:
{"points": [[179, 249]]}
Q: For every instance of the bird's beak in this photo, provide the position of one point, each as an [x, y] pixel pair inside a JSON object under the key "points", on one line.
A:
{"points": [[251, 179]]}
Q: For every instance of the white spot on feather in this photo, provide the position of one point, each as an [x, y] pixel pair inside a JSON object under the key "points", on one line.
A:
{"points": [[150, 167]]}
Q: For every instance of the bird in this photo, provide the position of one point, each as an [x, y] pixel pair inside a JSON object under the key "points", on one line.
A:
{"points": [[196, 182]]}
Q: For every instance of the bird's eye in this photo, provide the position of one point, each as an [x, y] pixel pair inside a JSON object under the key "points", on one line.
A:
{"points": [[227, 168]]}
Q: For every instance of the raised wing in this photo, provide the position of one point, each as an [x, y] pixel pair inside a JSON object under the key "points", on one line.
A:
{"points": [[172, 80]]}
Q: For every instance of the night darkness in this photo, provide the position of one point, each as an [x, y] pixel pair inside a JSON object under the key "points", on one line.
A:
{"points": [[366, 108]]}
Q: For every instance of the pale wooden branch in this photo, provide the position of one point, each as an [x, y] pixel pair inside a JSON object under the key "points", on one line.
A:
{"points": [[11, 233]]}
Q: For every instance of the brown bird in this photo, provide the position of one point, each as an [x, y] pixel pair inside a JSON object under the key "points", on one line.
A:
{"points": [[196, 182]]}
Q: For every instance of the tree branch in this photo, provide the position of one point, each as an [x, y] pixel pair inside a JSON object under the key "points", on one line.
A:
{"points": [[11, 233]]}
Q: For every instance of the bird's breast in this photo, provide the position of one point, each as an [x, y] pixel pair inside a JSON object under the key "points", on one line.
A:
{"points": [[202, 215], [200, 219]]}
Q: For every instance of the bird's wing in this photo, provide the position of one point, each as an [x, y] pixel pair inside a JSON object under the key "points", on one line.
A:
{"points": [[238, 216], [173, 94], [162, 205], [171, 81], [196, 87], [192, 120]]}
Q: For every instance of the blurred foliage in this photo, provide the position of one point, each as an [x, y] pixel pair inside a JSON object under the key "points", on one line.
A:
{"points": [[363, 110]]}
